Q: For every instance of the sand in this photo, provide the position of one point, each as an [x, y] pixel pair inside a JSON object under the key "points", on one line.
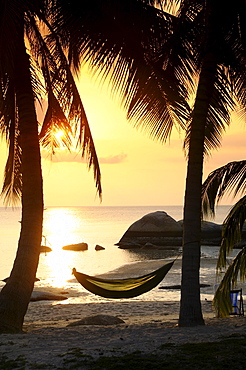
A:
{"points": [[48, 340], [147, 325]]}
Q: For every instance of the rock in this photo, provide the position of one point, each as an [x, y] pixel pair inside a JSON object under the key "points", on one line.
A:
{"points": [[46, 296], [98, 320], [211, 233], [149, 245], [126, 245], [99, 248], [76, 247], [156, 228], [45, 249]]}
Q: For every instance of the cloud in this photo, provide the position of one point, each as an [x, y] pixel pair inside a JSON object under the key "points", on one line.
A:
{"points": [[65, 157], [112, 159]]}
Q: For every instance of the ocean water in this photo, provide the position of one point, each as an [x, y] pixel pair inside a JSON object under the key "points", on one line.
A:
{"points": [[93, 225]]}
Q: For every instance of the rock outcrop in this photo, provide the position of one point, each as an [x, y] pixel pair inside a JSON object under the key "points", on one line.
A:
{"points": [[211, 233], [159, 230]]}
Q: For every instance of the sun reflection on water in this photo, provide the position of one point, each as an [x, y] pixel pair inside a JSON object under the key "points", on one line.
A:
{"points": [[63, 226], [59, 266], [60, 228]]}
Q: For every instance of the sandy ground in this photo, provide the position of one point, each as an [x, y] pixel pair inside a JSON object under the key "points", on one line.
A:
{"points": [[48, 340], [147, 325]]}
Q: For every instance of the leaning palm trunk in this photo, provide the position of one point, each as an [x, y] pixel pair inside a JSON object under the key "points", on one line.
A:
{"points": [[190, 305], [15, 296]]}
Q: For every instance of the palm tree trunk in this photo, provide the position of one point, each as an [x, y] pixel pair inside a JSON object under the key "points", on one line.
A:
{"points": [[190, 305], [15, 296]]}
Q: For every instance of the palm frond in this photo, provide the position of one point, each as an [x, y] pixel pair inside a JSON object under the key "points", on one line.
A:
{"points": [[12, 186], [153, 96], [71, 102], [65, 108], [54, 120], [221, 104], [225, 179], [237, 269], [232, 231]]}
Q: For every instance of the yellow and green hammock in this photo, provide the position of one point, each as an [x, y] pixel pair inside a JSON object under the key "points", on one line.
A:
{"points": [[122, 288]]}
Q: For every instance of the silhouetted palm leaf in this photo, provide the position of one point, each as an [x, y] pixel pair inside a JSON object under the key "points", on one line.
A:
{"points": [[228, 178], [225, 179], [237, 269]]}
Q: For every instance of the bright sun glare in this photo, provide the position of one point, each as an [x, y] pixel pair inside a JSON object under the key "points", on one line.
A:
{"points": [[59, 230], [59, 134]]}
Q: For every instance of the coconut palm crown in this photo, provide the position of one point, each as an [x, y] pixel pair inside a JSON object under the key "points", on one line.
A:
{"points": [[42, 45], [51, 80]]}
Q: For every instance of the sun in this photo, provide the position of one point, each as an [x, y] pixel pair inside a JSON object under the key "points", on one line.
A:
{"points": [[59, 134]]}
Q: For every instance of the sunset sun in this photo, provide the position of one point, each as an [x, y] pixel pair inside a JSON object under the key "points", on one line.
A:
{"points": [[59, 135]]}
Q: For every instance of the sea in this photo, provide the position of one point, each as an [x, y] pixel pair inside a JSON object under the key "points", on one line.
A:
{"points": [[95, 225]]}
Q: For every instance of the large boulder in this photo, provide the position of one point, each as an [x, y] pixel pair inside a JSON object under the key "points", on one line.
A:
{"points": [[211, 233], [157, 228]]}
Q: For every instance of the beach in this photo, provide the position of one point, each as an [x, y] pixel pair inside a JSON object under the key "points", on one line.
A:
{"points": [[150, 321], [52, 333], [147, 327]]}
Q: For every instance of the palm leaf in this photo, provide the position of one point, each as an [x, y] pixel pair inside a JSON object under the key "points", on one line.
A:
{"points": [[232, 231], [225, 179], [12, 184], [65, 108], [237, 268], [70, 99], [153, 96]]}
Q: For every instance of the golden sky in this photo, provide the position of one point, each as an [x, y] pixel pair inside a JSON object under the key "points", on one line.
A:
{"points": [[135, 169]]}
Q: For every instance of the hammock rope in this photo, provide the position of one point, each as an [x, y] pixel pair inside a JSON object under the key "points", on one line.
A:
{"points": [[122, 288]]}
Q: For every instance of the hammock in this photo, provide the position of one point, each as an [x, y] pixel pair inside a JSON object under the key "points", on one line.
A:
{"points": [[122, 288]]}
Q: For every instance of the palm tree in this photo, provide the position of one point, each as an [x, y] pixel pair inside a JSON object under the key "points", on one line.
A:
{"points": [[200, 52], [42, 44], [222, 181], [221, 85], [206, 49], [29, 65]]}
